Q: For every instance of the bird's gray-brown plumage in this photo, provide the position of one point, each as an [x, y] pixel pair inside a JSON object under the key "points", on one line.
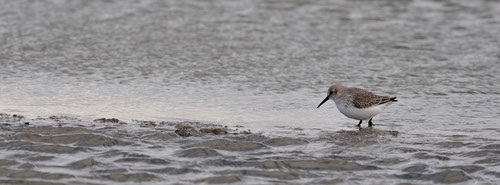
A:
{"points": [[364, 99], [360, 98]]}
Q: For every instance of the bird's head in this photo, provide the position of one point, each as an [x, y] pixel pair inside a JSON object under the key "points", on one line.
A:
{"points": [[331, 93]]}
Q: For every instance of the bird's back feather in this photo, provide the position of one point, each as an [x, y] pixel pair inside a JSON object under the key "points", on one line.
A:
{"points": [[364, 99]]}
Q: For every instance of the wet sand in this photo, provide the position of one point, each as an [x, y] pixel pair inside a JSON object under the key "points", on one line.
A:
{"points": [[66, 150]]}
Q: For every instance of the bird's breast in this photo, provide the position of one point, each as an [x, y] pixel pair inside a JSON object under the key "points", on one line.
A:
{"points": [[357, 113]]}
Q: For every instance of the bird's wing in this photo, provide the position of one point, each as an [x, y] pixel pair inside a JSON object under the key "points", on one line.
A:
{"points": [[365, 99]]}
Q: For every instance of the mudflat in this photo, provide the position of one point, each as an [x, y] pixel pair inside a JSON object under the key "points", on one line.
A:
{"points": [[58, 150]]}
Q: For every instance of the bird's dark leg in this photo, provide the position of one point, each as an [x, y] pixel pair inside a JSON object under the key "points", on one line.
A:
{"points": [[370, 123], [359, 124]]}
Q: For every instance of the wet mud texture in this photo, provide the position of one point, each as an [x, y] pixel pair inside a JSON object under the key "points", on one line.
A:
{"points": [[101, 152]]}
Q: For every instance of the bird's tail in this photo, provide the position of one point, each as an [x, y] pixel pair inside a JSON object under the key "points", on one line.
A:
{"points": [[393, 99]]}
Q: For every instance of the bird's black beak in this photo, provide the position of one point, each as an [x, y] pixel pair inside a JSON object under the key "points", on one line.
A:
{"points": [[326, 99]]}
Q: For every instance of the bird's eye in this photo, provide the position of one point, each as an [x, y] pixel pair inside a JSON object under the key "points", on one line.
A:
{"points": [[333, 92]]}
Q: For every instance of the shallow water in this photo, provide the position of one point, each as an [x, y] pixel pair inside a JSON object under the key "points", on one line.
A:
{"points": [[258, 65]]}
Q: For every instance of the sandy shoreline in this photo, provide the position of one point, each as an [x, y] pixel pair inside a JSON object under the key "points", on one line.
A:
{"points": [[105, 151]]}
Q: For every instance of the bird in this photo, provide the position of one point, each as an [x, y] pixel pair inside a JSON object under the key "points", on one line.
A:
{"points": [[356, 103]]}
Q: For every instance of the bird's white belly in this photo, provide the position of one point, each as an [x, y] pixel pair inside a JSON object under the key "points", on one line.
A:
{"points": [[360, 114]]}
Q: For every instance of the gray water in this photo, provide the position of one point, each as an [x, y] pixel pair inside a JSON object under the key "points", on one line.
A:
{"points": [[263, 66]]}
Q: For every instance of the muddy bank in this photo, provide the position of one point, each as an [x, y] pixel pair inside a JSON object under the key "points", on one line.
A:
{"points": [[62, 150]]}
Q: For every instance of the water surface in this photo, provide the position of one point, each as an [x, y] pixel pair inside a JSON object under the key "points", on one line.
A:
{"points": [[266, 65]]}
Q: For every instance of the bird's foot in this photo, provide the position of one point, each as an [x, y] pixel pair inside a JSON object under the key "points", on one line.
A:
{"points": [[370, 123]]}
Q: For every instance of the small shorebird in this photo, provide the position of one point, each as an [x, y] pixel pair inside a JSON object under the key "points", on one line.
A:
{"points": [[357, 103]]}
